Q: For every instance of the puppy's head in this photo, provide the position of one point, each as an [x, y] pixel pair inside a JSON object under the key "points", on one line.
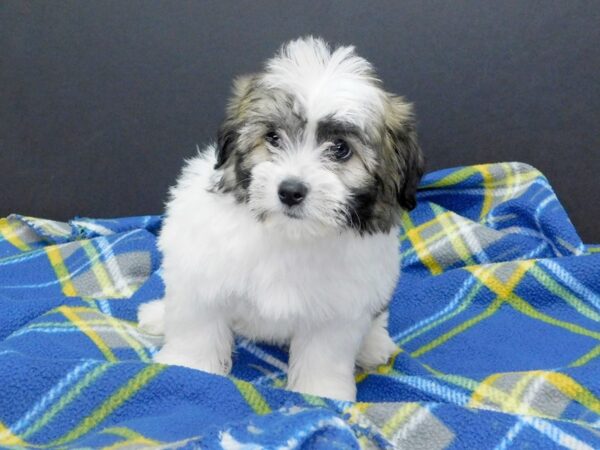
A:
{"points": [[314, 143]]}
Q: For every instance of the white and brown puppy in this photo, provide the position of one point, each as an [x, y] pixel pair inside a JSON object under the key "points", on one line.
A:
{"points": [[286, 230]]}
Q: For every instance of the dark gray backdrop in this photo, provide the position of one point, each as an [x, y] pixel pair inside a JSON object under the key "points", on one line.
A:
{"points": [[100, 101]]}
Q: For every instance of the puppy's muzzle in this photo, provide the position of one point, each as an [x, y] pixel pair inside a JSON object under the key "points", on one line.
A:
{"points": [[292, 192]]}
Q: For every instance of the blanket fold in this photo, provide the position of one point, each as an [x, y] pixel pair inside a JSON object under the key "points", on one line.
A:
{"points": [[496, 317]]}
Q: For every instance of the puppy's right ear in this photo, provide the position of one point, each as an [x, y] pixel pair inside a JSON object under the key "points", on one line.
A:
{"points": [[225, 143], [404, 157], [234, 119]]}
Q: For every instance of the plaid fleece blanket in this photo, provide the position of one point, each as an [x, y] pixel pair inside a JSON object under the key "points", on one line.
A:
{"points": [[496, 317]]}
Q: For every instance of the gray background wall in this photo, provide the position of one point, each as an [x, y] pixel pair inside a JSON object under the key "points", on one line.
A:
{"points": [[100, 101]]}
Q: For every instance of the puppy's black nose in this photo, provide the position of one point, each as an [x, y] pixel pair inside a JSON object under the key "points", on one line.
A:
{"points": [[292, 192]]}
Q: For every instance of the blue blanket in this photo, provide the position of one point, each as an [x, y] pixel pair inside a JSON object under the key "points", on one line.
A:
{"points": [[496, 317]]}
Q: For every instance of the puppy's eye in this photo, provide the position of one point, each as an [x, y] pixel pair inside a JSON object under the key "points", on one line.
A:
{"points": [[340, 150], [272, 138]]}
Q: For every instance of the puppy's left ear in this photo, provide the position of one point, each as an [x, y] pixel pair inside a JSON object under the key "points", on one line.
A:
{"points": [[403, 151], [228, 134]]}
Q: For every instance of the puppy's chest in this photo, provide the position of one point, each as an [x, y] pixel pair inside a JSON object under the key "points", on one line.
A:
{"points": [[312, 281], [246, 319], [294, 277], [282, 292]]}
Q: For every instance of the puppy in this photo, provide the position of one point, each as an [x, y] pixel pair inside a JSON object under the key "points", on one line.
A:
{"points": [[286, 230]]}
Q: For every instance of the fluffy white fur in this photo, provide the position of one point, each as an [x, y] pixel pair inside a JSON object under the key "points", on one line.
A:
{"points": [[307, 281], [326, 83]]}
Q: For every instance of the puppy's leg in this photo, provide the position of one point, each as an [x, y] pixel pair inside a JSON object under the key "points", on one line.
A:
{"points": [[196, 336], [322, 360], [377, 346], [151, 317]]}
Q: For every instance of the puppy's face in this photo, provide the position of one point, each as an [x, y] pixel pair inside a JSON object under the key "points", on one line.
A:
{"points": [[314, 144]]}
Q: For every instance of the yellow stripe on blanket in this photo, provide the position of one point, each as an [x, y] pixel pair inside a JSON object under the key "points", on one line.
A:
{"points": [[573, 390], [254, 399], [7, 230], [420, 246], [70, 314], [8, 438], [99, 270], [61, 270], [133, 386], [131, 438]]}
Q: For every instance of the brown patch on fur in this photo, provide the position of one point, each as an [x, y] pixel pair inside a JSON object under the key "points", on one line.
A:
{"points": [[402, 160], [378, 206]]}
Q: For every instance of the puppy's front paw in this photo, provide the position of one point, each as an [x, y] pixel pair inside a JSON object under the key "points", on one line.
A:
{"points": [[151, 317], [335, 388], [211, 364], [376, 349]]}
